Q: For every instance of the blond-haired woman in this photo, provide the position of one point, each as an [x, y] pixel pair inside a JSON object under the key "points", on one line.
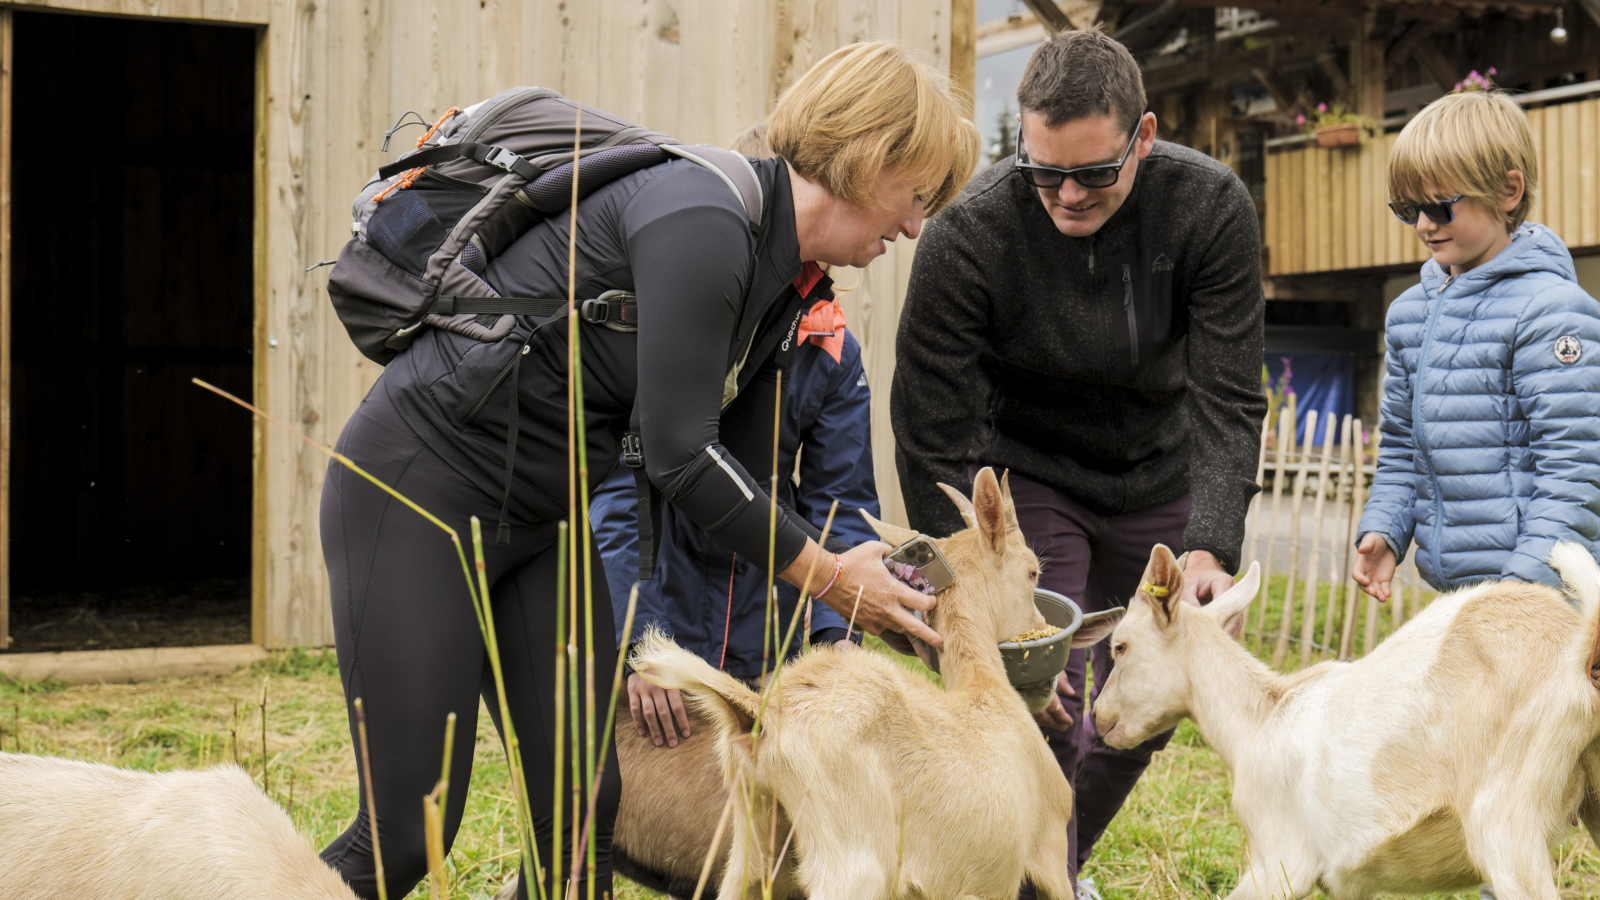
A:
{"points": [[869, 141]]}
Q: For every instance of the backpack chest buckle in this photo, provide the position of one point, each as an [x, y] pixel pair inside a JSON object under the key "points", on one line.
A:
{"points": [[501, 158]]}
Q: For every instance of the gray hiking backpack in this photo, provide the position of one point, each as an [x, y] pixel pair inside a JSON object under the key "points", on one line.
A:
{"points": [[426, 227]]}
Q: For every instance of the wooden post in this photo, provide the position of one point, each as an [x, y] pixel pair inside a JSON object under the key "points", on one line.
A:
{"points": [[1308, 625], [1366, 68], [1370, 638], [1279, 475], [6, 61], [1256, 501], [1358, 499], [1341, 495], [1286, 624], [964, 51]]}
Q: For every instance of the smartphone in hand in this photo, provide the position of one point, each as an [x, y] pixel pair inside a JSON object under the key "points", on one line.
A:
{"points": [[919, 564]]}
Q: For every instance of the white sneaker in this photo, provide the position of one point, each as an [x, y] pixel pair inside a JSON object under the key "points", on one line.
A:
{"points": [[1088, 891]]}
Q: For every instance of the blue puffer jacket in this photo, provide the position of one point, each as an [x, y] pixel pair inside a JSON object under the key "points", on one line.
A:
{"points": [[1491, 417], [711, 601]]}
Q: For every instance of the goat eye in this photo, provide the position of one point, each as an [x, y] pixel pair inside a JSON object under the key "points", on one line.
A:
{"points": [[1120, 648]]}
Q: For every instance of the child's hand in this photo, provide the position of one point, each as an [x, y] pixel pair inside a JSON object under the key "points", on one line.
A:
{"points": [[1374, 566]]}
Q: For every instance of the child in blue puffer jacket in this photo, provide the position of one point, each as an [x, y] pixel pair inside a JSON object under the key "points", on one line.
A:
{"points": [[1491, 409]]}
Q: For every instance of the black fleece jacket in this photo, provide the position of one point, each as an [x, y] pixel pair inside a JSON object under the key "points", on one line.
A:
{"points": [[1109, 367]]}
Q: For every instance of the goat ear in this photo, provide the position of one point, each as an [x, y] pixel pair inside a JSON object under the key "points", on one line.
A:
{"points": [[1162, 584], [1010, 506], [1097, 626], [1236, 599], [893, 535], [988, 505], [962, 503]]}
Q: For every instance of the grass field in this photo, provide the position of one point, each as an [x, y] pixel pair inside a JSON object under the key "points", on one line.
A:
{"points": [[1176, 839]]}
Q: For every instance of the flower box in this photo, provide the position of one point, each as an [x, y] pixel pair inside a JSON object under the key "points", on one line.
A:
{"points": [[1347, 134]]}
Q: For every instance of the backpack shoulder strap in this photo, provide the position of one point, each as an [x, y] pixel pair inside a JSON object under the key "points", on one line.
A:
{"points": [[734, 170]]}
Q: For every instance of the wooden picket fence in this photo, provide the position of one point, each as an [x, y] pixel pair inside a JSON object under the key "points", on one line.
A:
{"points": [[1323, 619]]}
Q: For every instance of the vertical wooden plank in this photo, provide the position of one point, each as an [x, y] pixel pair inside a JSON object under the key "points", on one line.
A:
{"points": [[1569, 185], [1308, 623], [1301, 452], [260, 561], [1539, 212], [1280, 475], [964, 49], [1297, 212], [1270, 238], [1358, 499], [1588, 185], [1337, 179], [1336, 558], [5, 327]]}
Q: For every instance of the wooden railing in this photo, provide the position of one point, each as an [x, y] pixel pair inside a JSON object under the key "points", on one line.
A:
{"points": [[1327, 210]]}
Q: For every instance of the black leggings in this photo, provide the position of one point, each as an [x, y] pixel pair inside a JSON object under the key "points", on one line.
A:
{"points": [[410, 647]]}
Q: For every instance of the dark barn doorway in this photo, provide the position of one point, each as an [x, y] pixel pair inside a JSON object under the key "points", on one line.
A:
{"points": [[132, 272]]}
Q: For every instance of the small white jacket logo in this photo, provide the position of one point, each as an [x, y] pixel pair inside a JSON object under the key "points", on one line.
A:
{"points": [[1568, 349], [1162, 264], [793, 326]]}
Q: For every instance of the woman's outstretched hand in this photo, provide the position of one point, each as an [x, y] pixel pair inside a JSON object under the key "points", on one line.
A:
{"points": [[1374, 567], [886, 602]]}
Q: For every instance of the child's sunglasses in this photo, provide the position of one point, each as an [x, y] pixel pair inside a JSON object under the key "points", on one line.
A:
{"points": [[1048, 178], [1439, 212]]}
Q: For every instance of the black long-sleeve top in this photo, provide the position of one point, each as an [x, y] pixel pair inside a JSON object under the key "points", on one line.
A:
{"points": [[1122, 369], [676, 235]]}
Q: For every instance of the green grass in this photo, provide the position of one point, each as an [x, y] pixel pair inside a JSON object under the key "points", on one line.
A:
{"points": [[1176, 839]]}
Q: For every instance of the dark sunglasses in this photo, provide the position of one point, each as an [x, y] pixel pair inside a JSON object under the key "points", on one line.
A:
{"points": [[1439, 212], [1100, 175]]}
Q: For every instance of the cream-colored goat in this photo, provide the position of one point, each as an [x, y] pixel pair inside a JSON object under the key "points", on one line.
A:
{"points": [[895, 787], [1451, 755], [88, 831]]}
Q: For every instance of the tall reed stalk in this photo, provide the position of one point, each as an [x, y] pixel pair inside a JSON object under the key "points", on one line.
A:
{"points": [[372, 803]]}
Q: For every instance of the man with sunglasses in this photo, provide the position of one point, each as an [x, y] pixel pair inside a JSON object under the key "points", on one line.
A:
{"points": [[1088, 315]]}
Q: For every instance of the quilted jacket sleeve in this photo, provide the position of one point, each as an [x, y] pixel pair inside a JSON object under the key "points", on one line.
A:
{"points": [[1390, 509], [1556, 376]]}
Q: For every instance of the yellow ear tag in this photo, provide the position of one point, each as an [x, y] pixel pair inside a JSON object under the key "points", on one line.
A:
{"points": [[1154, 590]]}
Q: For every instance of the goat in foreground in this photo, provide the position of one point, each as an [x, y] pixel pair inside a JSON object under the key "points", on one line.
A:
{"points": [[895, 787], [77, 829], [1450, 756]]}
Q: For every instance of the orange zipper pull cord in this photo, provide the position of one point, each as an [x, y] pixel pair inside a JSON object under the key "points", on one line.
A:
{"points": [[434, 130], [404, 181]]}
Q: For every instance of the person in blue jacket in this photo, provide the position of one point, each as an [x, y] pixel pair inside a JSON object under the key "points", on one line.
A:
{"points": [[1491, 409], [710, 600]]}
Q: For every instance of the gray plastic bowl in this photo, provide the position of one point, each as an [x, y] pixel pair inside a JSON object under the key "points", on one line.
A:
{"points": [[1032, 662]]}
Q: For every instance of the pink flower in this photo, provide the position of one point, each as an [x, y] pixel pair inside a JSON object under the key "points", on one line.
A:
{"points": [[1322, 107], [1458, 85], [1300, 119], [1492, 71]]}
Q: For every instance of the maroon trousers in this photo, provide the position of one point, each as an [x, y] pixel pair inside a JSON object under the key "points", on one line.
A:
{"points": [[1097, 561]]}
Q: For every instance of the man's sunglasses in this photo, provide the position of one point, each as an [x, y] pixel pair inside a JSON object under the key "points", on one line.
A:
{"points": [[1048, 178], [1439, 212]]}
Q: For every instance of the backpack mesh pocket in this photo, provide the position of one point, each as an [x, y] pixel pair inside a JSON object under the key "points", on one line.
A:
{"points": [[410, 224]]}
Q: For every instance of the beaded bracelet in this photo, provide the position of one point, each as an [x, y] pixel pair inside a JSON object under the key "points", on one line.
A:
{"points": [[838, 569]]}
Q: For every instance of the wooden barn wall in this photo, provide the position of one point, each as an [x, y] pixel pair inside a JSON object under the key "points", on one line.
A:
{"points": [[336, 74]]}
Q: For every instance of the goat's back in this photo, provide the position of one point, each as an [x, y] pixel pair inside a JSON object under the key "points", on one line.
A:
{"points": [[77, 829], [1487, 685]]}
